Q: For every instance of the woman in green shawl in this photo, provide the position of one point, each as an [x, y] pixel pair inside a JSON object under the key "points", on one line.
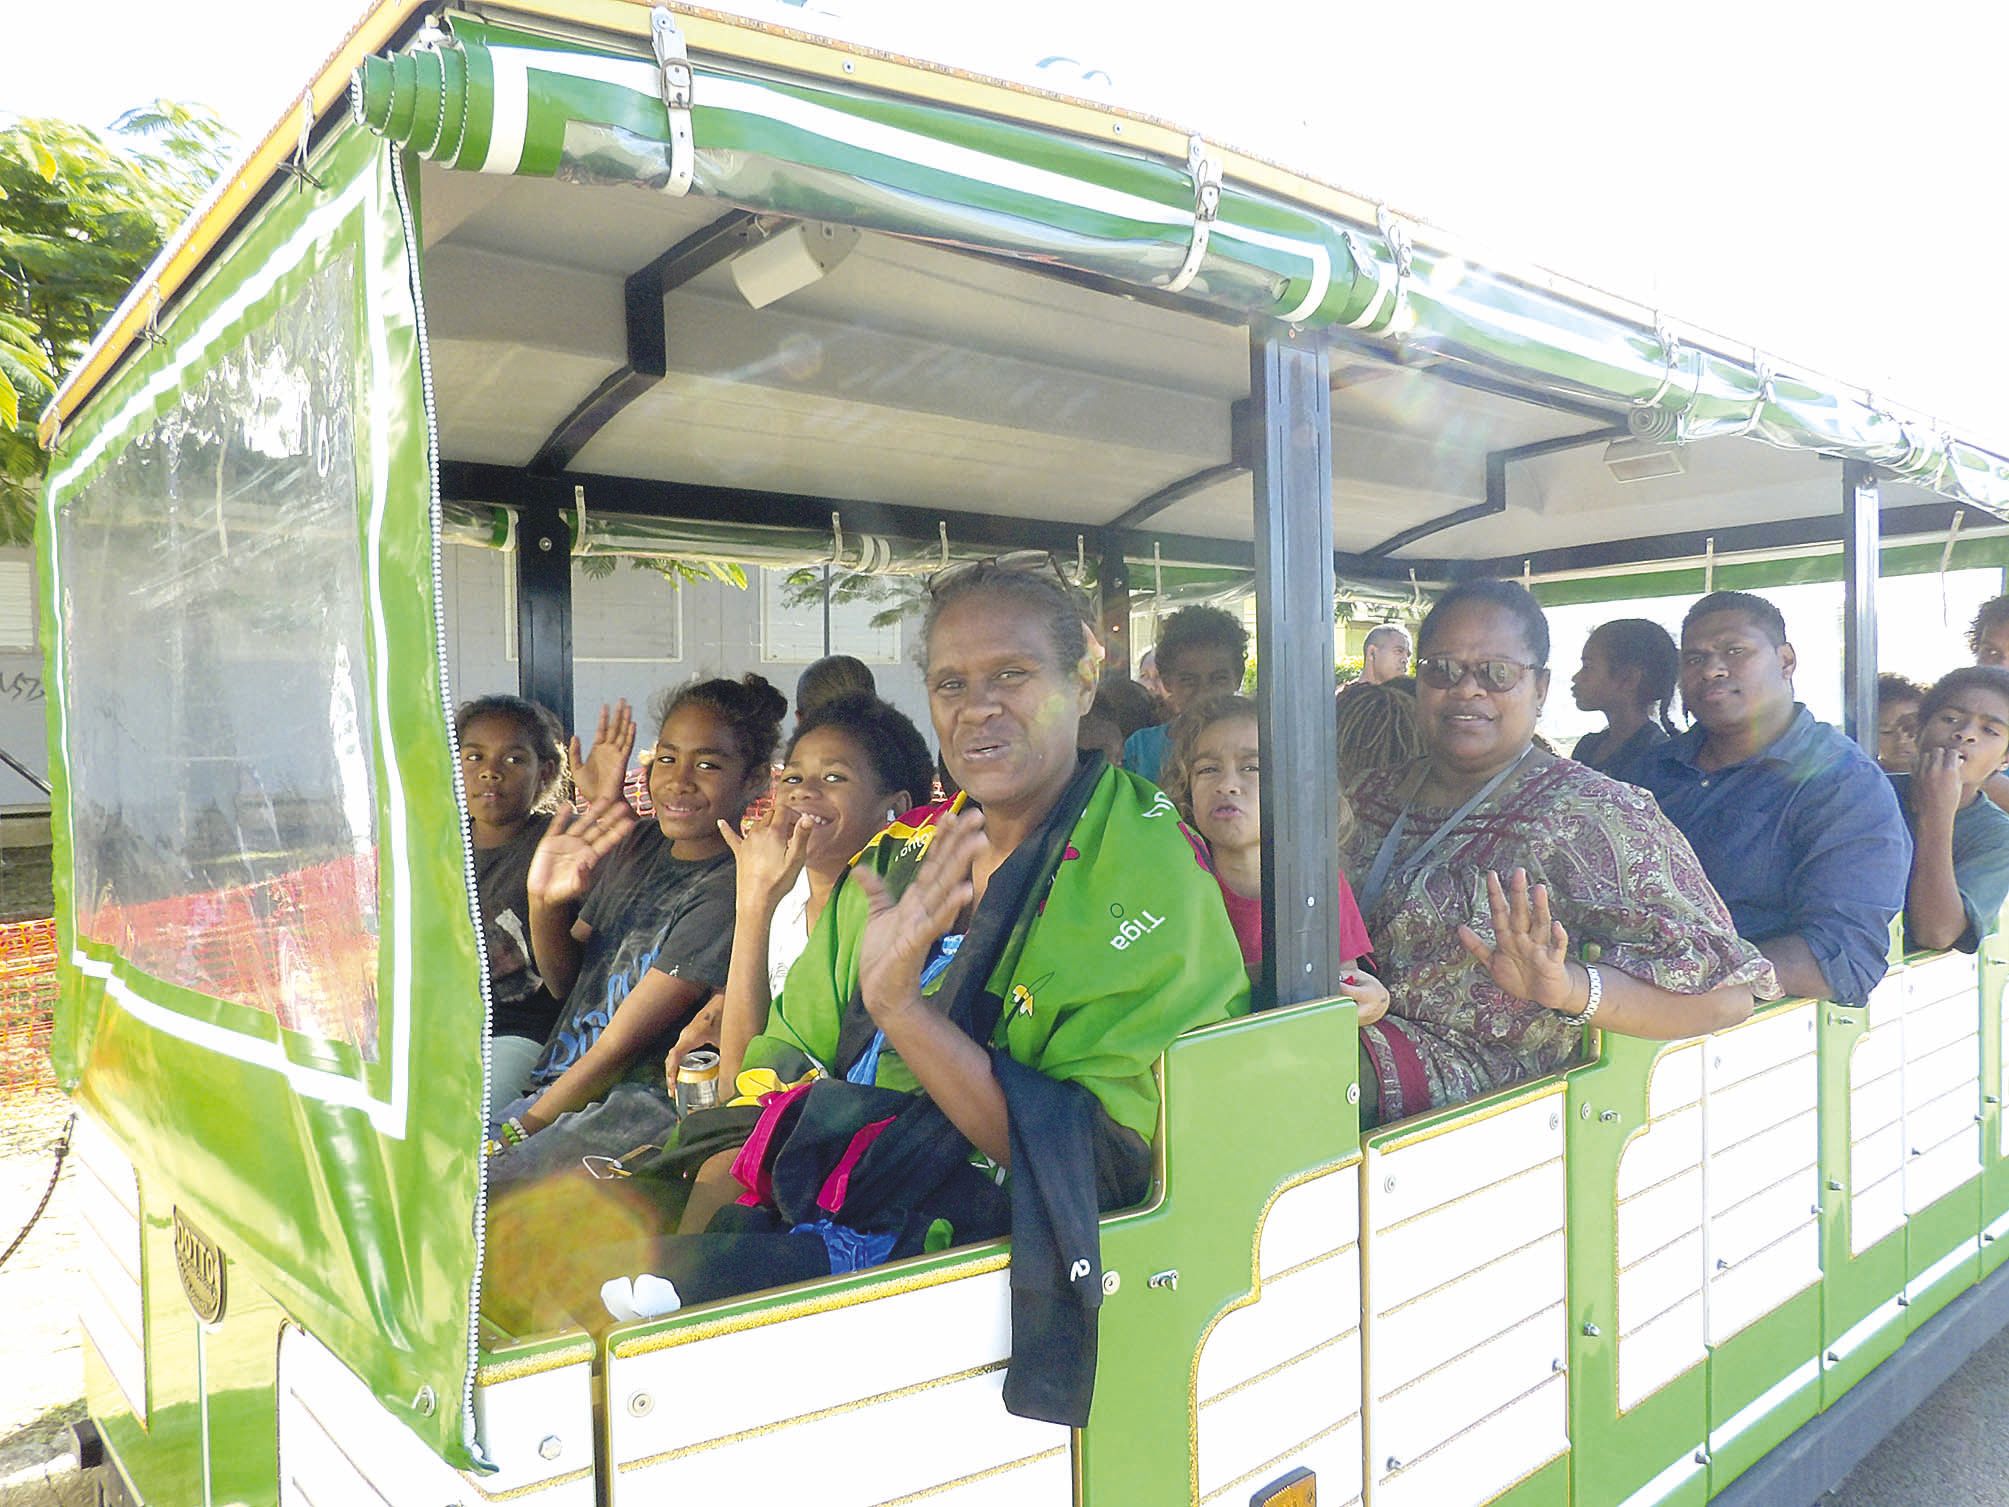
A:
{"points": [[1046, 933]]}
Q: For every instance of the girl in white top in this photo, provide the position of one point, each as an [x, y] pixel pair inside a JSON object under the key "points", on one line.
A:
{"points": [[853, 765]]}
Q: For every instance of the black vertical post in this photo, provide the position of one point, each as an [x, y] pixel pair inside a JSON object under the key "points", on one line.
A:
{"points": [[1291, 400], [1112, 581], [1862, 542], [544, 608]]}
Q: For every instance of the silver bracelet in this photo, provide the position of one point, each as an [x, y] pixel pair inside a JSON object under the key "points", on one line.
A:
{"points": [[1582, 1017]]}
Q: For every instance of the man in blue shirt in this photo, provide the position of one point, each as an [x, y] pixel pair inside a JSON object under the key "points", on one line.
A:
{"points": [[1795, 825]]}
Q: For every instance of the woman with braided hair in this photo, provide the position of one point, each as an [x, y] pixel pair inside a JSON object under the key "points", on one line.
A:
{"points": [[1377, 728]]}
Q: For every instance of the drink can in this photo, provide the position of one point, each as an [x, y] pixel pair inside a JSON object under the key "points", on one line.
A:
{"points": [[697, 1081]]}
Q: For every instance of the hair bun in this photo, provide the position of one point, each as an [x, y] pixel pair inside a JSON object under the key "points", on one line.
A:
{"points": [[766, 698]]}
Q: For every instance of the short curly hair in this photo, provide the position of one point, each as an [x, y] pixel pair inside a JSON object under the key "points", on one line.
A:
{"points": [[1993, 614], [887, 737], [1199, 628]]}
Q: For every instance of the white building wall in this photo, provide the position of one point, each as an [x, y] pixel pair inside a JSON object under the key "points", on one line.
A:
{"points": [[23, 703], [635, 633]]}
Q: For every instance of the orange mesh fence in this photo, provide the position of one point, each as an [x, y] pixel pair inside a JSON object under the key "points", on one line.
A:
{"points": [[300, 945], [27, 1005]]}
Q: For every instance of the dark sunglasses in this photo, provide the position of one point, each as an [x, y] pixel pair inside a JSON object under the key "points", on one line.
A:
{"points": [[1029, 561], [1441, 672]]}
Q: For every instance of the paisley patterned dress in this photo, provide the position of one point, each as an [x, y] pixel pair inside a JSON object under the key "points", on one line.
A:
{"points": [[1622, 880]]}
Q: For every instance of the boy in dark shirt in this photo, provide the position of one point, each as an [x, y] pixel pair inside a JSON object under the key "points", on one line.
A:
{"points": [[1960, 854]]}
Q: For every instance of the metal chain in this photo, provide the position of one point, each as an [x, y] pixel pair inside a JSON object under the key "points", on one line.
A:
{"points": [[62, 1151]]}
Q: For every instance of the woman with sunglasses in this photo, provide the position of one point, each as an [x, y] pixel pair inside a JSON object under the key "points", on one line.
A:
{"points": [[1516, 897]]}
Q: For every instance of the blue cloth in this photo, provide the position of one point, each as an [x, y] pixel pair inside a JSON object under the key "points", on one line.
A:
{"points": [[850, 1250], [1980, 859], [866, 1068], [1144, 750], [1803, 839]]}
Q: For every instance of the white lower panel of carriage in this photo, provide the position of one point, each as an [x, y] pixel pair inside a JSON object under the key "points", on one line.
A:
{"points": [[893, 1396], [1718, 1198], [111, 1304], [339, 1446], [1278, 1385], [1760, 1174], [1915, 1102], [1662, 1330], [1466, 1322]]}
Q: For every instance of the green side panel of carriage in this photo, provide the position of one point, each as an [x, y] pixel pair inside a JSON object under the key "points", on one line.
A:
{"points": [[1613, 1454], [1994, 1166], [355, 1210], [212, 1418], [1854, 1287], [1764, 1382], [1227, 1155]]}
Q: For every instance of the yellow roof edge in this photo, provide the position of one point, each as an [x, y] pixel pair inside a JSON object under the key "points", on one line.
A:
{"points": [[212, 219], [742, 39]]}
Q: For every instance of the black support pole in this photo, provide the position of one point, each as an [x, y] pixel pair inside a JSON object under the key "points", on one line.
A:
{"points": [[1862, 542], [544, 608], [1112, 581], [1291, 397]]}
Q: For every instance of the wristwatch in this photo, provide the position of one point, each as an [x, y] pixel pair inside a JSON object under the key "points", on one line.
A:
{"points": [[1590, 972]]}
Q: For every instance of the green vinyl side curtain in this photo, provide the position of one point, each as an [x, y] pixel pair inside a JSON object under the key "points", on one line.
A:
{"points": [[485, 98], [270, 991]]}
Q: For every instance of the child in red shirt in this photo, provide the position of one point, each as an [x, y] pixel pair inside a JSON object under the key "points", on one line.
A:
{"points": [[1214, 774]]}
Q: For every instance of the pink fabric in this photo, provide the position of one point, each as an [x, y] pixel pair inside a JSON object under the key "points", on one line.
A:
{"points": [[1246, 914], [838, 1184], [750, 1167]]}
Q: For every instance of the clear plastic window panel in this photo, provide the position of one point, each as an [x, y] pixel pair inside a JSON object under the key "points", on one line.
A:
{"points": [[220, 750]]}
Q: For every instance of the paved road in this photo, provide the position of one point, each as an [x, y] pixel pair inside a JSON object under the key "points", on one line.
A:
{"points": [[1952, 1452]]}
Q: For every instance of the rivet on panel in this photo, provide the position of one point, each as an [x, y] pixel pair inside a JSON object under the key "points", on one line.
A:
{"points": [[1388, 1185], [426, 1402], [1555, 1121], [1834, 1185], [1585, 1114], [1167, 1280], [551, 1447], [1607, 1117], [1110, 1282], [1591, 1331], [1353, 1093], [641, 1404]]}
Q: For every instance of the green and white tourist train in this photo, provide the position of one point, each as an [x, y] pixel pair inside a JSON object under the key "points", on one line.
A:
{"points": [[520, 291]]}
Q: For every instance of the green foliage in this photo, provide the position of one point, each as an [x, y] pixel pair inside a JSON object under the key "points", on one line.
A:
{"points": [[669, 567], [82, 213], [896, 597]]}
